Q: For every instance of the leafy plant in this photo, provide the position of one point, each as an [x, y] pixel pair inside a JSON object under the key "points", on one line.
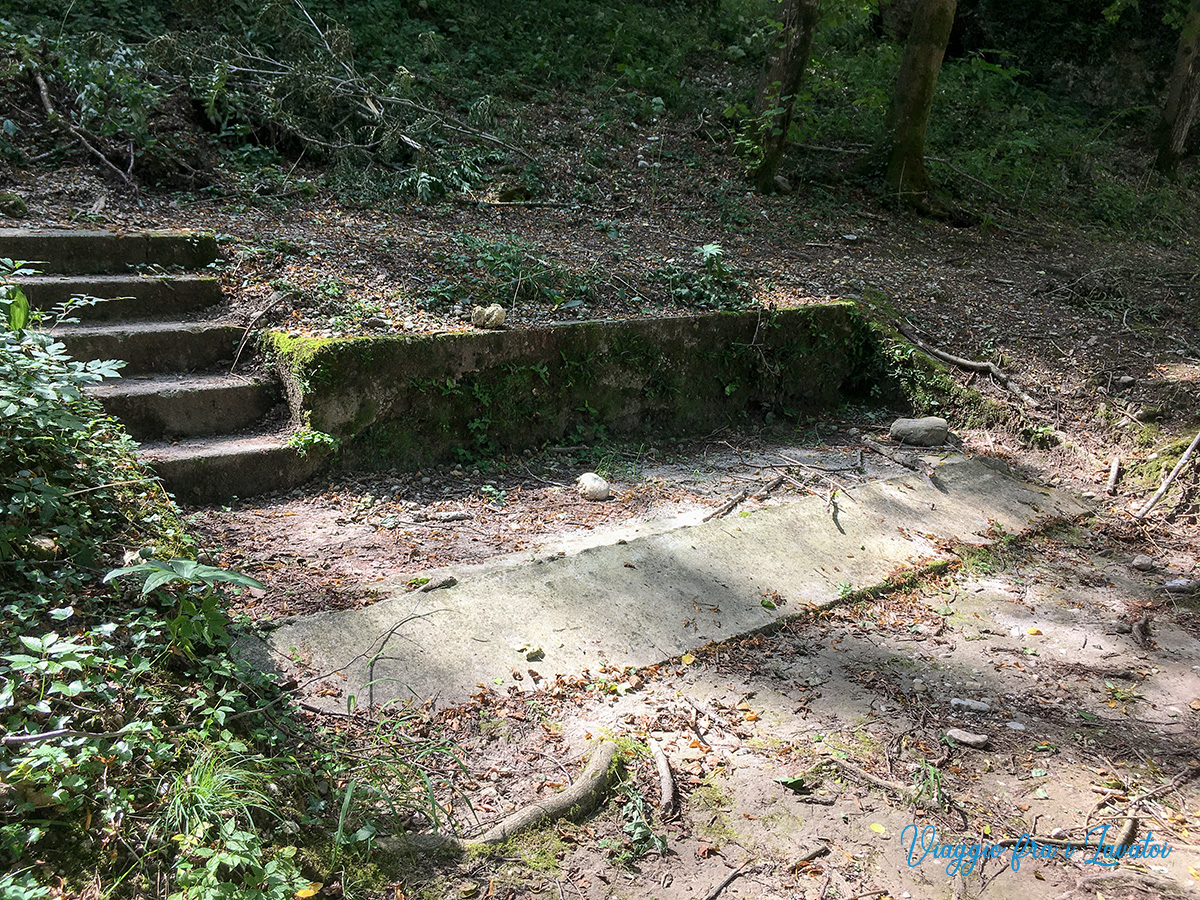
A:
{"points": [[714, 286], [199, 621], [305, 440]]}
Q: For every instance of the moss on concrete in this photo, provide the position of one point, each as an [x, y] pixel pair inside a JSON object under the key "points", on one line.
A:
{"points": [[410, 400]]}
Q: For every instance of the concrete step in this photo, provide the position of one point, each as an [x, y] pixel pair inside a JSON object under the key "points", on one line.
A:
{"points": [[174, 406], [212, 470], [153, 346], [129, 297], [75, 252]]}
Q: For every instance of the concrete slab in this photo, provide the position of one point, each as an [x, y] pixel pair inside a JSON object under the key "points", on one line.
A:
{"points": [[76, 252], [153, 346], [211, 470], [153, 407], [638, 602], [127, 296]]}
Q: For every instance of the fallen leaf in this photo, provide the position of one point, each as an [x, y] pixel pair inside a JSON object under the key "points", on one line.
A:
{"points": [[310, 891], [877, 828], [687, 659], [1034, 631]]}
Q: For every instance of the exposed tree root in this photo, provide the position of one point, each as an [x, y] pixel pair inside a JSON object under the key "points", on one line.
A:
{"points": [[574, 802], [970, 365], [891, 787]]}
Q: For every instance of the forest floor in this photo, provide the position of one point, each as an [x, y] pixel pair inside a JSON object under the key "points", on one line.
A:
{"points": [[1099, 330]]}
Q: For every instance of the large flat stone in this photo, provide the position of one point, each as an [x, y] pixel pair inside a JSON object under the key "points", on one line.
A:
{"points": [[655, 597], [76, 252]]}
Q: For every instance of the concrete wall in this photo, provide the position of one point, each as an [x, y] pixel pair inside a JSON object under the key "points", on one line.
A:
{"points": [[405, 401]]}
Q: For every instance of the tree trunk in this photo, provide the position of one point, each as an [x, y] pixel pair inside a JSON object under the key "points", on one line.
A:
{"points": [[1183, 96], [913, 98], [777, 97]]}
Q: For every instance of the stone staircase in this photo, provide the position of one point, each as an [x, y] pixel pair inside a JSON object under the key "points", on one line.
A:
{"points": [[210, 435]]}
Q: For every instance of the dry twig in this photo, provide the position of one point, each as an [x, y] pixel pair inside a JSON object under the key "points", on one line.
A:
{"points": [[1158, 495]]}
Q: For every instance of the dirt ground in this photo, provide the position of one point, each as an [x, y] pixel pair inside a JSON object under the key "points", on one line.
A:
{"points": [[1085, 663], [1082, 669]]}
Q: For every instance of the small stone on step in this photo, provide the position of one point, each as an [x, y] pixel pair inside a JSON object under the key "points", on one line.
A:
{"points": [[1014, 726], [1143, 563], [967, 738], [919, 686]]}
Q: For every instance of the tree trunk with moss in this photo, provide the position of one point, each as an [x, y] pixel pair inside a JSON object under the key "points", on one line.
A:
{"points": [[1183, 96], [777, 97], [904, 132]]}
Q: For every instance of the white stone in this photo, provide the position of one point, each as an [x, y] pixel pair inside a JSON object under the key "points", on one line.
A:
{"points": [[967, 738], [969, 705], [1014, 726], [592, 487], [487, 317], [1143, 563]]}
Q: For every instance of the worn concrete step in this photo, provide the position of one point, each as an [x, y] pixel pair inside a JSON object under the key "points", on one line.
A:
{"points": [[217, 469], [75, 252], [128, 297], [153, 346], [174, 406]]}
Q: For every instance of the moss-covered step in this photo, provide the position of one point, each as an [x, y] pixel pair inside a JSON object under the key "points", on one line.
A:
{"points": [[409, 400], [77, 252]]}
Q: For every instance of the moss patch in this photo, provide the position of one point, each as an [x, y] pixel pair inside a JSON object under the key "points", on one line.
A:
{"points": [[408, 401]]}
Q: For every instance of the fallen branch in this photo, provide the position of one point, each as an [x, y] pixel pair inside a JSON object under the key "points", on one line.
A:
{"points": [[572, 802], [1114, 472], [902, 457], [891, 787], [275, 301], [727, 507], [668, 803], [58, 121], [745, 869], [1158, 495], [970, 365], [768, 487]]}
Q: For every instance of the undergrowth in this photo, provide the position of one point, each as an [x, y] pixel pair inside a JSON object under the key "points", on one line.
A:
{"points": [[139, 752]]}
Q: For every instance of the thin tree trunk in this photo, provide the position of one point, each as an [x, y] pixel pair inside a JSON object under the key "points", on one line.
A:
{"points": [[913, 99], [1183, 96], [777, 96]]}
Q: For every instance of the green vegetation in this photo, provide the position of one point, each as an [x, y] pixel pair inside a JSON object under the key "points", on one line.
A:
{"points": [[138, 750]]}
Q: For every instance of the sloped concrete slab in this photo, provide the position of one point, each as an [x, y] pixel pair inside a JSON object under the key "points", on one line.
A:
{"points": [[153, 407], [211, 470], [640, 602], [153, 346], [76, 252], [126, 297]]}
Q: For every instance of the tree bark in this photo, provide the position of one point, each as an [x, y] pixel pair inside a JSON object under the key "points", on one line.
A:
{"points": [[1183, 96], [776, 102], [912, 101]]}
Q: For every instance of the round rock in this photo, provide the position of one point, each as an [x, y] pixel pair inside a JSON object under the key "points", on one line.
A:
{"points": [[928, 431], [1143, 563], [592, 487]]}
